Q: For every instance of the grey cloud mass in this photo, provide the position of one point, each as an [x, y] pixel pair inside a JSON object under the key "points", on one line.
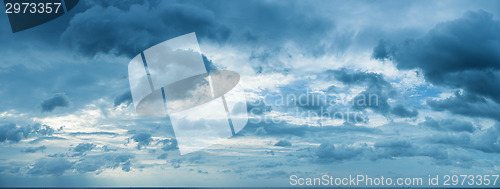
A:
{"points": [[58, 100], [83, 147], [142, 139], [283, 143], [139, 25], [50, 166], [14, 133], [449, 125], [463, 53], [34, 149]]}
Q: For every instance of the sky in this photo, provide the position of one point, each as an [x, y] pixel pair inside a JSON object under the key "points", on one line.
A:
{"points": [[382, 88]]}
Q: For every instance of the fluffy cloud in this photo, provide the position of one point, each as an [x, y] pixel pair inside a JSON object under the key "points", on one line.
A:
{"points": [[92, 163], [168, 144], [10, 132], [142, 139], [82, 148], [14, 133], [96, 163], [327, 152]]}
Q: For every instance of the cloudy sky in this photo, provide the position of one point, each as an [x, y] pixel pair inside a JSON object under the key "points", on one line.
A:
{"points": [[432, 68]]}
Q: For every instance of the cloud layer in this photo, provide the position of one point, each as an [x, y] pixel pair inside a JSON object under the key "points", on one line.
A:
{"points": [[410, 85]]}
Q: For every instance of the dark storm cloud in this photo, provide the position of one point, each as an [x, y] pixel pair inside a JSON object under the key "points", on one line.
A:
{"points": [[381, 51], [467, 104], [467, 43], [135, 25], [448, 125], [130, 30], [58, 100], [14, 133], [122, 4], [272, 24], [462, 53], [34, 149], [125, 97]]}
